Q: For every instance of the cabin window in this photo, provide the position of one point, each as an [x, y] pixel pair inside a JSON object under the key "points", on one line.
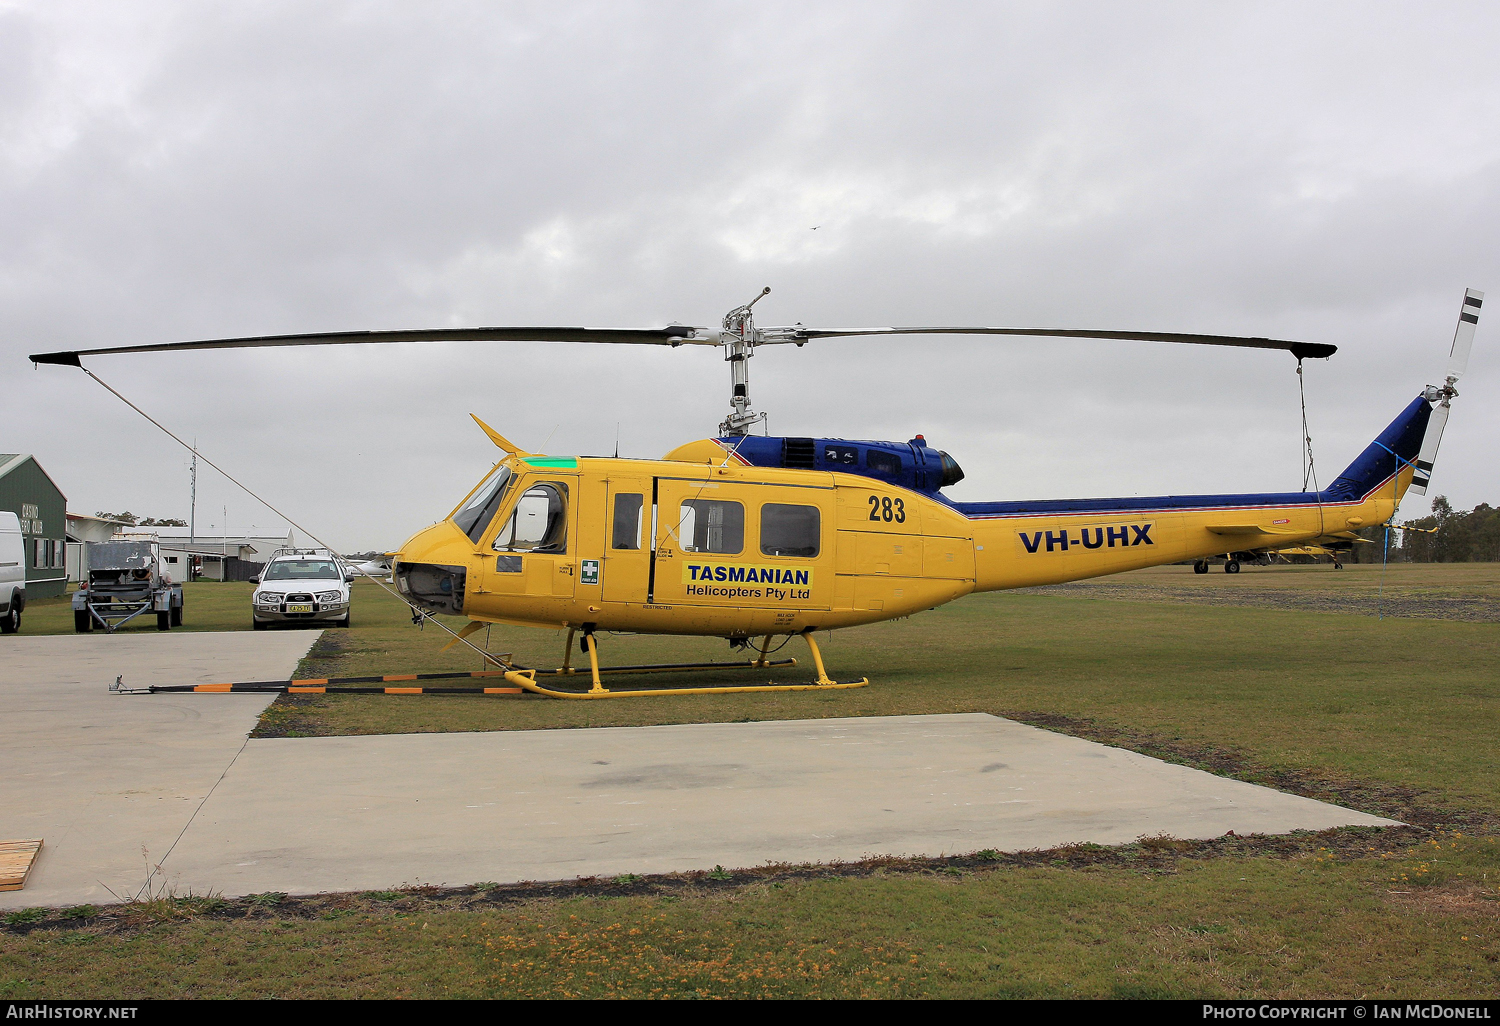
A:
{"points": [[789, 530], [627, 530], [540, 521], [480, 509], [711, 525]]}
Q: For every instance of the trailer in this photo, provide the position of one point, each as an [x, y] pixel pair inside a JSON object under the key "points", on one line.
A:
{"points": [[124, 581]]}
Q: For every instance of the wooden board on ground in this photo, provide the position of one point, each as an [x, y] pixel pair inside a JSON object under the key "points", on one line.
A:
{"points": [[16, 858]]}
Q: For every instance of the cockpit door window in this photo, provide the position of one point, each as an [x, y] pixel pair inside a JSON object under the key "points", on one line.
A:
{"points": [[539, 522], [627, 523]]}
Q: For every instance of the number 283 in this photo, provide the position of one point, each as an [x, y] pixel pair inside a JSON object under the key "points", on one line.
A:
{"points": [[884, 508]]}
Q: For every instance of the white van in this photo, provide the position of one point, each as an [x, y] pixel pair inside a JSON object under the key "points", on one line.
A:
{"points": [[12, 574]]}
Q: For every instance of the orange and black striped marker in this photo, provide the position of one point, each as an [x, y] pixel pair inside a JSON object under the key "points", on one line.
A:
{"points": [[340, 686]]}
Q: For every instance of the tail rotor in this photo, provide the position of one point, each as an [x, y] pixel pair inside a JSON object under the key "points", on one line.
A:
{"points": [[1458, 363]]}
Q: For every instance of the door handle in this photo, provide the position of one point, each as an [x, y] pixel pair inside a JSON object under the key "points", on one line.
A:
{"points": [[565, 568]]}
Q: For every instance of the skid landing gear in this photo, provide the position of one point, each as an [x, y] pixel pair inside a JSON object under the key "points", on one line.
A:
{"points": [[526, 678]]}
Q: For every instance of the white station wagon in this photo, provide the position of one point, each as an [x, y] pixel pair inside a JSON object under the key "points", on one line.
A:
{"points": [[302, 586]]}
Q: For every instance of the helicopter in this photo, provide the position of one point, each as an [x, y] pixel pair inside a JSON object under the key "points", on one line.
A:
{"points": [[745, 536]]}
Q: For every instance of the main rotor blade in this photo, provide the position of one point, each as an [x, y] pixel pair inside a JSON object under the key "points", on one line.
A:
{"points": [[672, 335], [1300, 350]]}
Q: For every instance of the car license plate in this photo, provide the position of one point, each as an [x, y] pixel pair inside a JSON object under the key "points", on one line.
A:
{"points": [[299, 607]]}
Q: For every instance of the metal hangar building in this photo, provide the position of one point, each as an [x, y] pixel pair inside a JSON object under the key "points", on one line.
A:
{"points": [[27, 491]]}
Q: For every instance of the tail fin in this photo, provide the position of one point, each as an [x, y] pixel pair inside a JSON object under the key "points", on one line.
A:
{"points": [[1395, 447]]}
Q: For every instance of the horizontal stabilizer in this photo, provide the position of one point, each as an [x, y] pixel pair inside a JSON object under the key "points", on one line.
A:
{"points": [[1242, 529]]}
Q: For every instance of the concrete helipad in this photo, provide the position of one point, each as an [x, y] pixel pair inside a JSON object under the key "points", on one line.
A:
{"points": [[109, 781], [323, 814]]}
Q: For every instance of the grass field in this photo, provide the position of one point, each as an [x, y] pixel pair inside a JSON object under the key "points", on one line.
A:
{"points": [[1333, 695], [1283, 676], [1302, 927], [206, 606]]}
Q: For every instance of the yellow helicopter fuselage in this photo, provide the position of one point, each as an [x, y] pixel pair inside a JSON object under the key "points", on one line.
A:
{"points": [[697, 544]]}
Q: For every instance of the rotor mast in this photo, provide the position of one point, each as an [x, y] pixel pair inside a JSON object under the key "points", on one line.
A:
{"points": [[739, 339]]}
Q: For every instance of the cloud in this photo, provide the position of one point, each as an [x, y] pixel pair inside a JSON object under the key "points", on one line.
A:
{"points": [[172, 171]]}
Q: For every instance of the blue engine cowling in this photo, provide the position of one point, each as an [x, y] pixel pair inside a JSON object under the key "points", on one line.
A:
{"points": [[914, 464]]}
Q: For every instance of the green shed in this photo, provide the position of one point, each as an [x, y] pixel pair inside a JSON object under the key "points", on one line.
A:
{"points": [[27, 491]]}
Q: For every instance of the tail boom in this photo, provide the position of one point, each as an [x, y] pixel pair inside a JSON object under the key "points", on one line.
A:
{"points": [[1019, 551], [1022, 544]]}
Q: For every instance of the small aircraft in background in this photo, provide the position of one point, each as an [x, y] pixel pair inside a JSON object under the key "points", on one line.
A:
{"points": [[1338, 551], [378, 567]]}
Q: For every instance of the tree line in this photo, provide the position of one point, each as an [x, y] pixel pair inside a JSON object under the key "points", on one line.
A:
{"points": [[1451, 535], [1446, 535], [132, 520]]}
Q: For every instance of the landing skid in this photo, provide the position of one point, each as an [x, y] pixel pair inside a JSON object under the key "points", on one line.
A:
{"points": [[523, 678], [526, 678]]}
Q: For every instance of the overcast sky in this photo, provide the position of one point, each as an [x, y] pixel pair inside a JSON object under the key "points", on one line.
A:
{"points": [[180, 171]]}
